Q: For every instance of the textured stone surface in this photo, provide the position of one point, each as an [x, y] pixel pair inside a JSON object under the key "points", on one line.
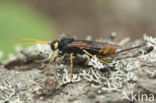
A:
{"points": [[132, 71]]}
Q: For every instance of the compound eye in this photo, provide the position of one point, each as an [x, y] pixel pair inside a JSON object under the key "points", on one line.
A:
{"points": [[56, 45]]}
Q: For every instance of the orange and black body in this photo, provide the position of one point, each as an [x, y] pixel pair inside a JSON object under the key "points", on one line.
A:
{"points": [[99, 49]]}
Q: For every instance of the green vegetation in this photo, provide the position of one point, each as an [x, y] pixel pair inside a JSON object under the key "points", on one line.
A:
{"points": [[17, 20]]}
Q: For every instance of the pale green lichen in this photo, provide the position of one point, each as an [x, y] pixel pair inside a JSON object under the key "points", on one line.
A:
{"points": [[66, 78], [150, 41], [9, 94], [91, 75], [96, 63]]}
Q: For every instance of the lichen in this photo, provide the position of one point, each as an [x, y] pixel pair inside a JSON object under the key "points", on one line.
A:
{"points": [[96, 63], [9, 94], [91, 76], [66, 78], [150, 41]]}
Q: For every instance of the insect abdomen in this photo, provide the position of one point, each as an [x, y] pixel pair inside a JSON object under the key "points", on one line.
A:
{"points": [[108, 50]]}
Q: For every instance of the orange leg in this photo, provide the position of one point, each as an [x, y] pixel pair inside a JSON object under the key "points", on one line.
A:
{"points": [[103, 61], [52, 58], [71, 67]]}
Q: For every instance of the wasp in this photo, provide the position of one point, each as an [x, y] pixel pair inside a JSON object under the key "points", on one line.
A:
{"points": [[73, 47]]}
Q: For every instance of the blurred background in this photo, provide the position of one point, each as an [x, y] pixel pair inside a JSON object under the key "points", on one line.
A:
{"points": [[47, 19]]}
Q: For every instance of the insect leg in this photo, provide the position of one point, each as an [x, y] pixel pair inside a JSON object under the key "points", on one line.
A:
{"points": [[71, 66], [55, 58], [103, 61], [52, 58], [102, 58]]}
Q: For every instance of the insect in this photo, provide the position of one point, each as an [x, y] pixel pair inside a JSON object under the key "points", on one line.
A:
{"points": [[74, 47]]}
